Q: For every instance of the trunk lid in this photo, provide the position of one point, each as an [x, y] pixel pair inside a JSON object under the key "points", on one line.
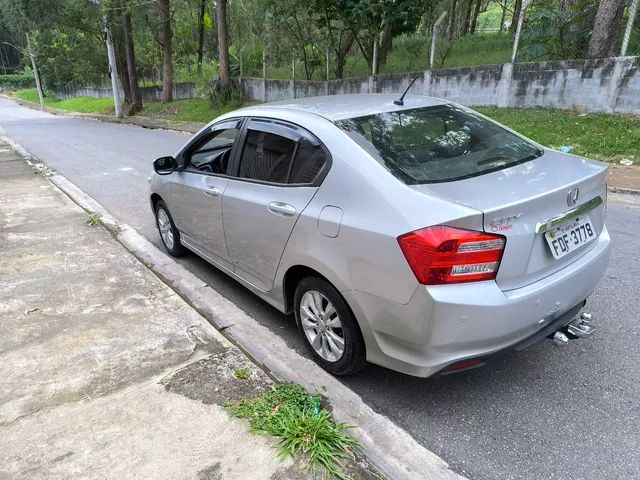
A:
{"points": [[518, 201]]}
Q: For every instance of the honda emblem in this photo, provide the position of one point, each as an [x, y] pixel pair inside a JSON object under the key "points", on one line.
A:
{"points": [[572, 197]]}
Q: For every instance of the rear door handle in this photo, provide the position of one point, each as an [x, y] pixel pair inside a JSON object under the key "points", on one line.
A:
{"points": [[283, 209], [211, 191]]}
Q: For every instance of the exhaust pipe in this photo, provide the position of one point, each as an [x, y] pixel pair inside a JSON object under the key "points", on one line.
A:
{"points": [[559, 338]]}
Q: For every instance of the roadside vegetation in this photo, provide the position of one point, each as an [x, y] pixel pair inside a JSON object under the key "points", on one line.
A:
{"points": [[601, 136], [192, 110], [303, 427], [76, 104], [163, 42]]}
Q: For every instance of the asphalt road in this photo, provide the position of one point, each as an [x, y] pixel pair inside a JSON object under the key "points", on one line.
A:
{"points": [[546, 413]]}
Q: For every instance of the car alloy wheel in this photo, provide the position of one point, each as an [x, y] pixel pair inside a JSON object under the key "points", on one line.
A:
{"points": [[164, 226], [168, 231], [328, 327], [322, 325]]}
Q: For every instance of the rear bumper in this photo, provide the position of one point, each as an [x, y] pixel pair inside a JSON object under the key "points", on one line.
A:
{"points": [[445, 324]]}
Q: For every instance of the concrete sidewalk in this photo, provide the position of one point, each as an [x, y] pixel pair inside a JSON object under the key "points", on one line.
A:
{"points": [[104, 371]]}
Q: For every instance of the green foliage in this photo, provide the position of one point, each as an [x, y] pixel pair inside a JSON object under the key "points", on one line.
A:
{"points": [[553, 33], [288, 412], [219, 96], [192, 110], [241, 373], [593, 135], [77, 104], [17, 81], [94, 220], [489, 20]]}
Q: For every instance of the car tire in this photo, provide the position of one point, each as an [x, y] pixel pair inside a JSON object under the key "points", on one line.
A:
{"points": [[315, 318], [168, 232]]}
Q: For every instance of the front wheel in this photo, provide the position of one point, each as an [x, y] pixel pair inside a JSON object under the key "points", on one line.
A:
{"points": [[328, 327], [168, 232]]}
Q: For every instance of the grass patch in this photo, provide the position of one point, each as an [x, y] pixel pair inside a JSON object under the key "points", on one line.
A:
{"points": [[77, 104], [94, 220], [288, 412], [192, 110], [241, 373], [595, 135]]}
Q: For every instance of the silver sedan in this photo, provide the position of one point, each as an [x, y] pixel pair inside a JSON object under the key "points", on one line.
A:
{"points": [[418, 235]]}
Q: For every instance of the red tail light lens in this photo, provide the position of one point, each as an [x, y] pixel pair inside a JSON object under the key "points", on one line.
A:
{"points": [[439, 255]]}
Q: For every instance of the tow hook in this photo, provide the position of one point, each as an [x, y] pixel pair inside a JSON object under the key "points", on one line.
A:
{"points": [[579, 328]]}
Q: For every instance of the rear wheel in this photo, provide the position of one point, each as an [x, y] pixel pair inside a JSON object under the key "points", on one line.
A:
{"points": [[328, 327], [168, 231]]}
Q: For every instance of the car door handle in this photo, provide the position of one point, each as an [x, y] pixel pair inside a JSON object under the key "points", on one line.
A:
{"points": [[211, 191], [283, 209]]}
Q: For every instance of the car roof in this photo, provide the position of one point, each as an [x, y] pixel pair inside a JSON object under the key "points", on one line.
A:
{"points": [[340, 107]]}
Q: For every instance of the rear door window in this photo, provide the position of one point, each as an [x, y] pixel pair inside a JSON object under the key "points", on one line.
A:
{"points": [[438, 144], [281, 153], [266, 157]]}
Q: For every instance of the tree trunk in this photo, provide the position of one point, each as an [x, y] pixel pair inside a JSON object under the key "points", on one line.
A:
{"points": [[452, 19], [385, 44], [466, 24], [503, 17], [474, 16], [118, 39], [516, 14], [136, 97], [164, 8], [346, 42], [201, 34], [606, 29], [223, 43]]}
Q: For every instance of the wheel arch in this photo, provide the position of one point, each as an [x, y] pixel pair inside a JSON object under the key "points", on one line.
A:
{"points": [[154, 199], [292, 277]]}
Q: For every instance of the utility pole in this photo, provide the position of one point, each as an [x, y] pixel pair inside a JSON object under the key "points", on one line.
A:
{"points": [[516, 41], [35, 73], [117, 102], [374, 62], [633, 9], [434, 37]]}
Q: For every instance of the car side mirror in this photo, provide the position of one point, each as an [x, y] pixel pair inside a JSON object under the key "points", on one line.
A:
{"points": [[165, 165]]}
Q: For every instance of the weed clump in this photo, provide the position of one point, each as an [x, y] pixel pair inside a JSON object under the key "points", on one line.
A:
{"points": [[288, 412]]}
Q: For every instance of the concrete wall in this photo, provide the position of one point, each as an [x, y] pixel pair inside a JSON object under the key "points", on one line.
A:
{"points": [[603, 85], [149, 94]]}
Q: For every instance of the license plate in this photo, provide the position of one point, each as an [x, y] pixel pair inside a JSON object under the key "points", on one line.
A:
{"points": [[570, 236]]}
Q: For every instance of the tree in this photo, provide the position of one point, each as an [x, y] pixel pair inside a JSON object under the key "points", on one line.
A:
{"points": [[136, 97], [474, 17], [166, 41], [203, 4], [516, 14], [606, 28], [223, 43]]}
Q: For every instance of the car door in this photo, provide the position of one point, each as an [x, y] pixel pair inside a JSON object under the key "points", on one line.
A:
{"points": [[275, 177], [198, 189]]}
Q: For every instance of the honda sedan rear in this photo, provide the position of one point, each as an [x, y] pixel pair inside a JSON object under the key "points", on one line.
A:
{"points": [[422, 237]]}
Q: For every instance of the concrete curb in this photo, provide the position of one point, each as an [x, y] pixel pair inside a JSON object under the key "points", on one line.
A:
{"points": [[627, 191], [389, 448]]}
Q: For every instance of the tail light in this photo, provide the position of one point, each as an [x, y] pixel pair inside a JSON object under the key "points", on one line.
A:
{"points": [[440, 255]]}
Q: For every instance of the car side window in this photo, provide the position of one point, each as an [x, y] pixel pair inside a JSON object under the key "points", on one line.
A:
{"points": [[213, 153], [310, 158], [266, 157]]}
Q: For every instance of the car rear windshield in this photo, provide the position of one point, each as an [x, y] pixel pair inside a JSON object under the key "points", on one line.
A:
{"points": [[438, 144]]}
